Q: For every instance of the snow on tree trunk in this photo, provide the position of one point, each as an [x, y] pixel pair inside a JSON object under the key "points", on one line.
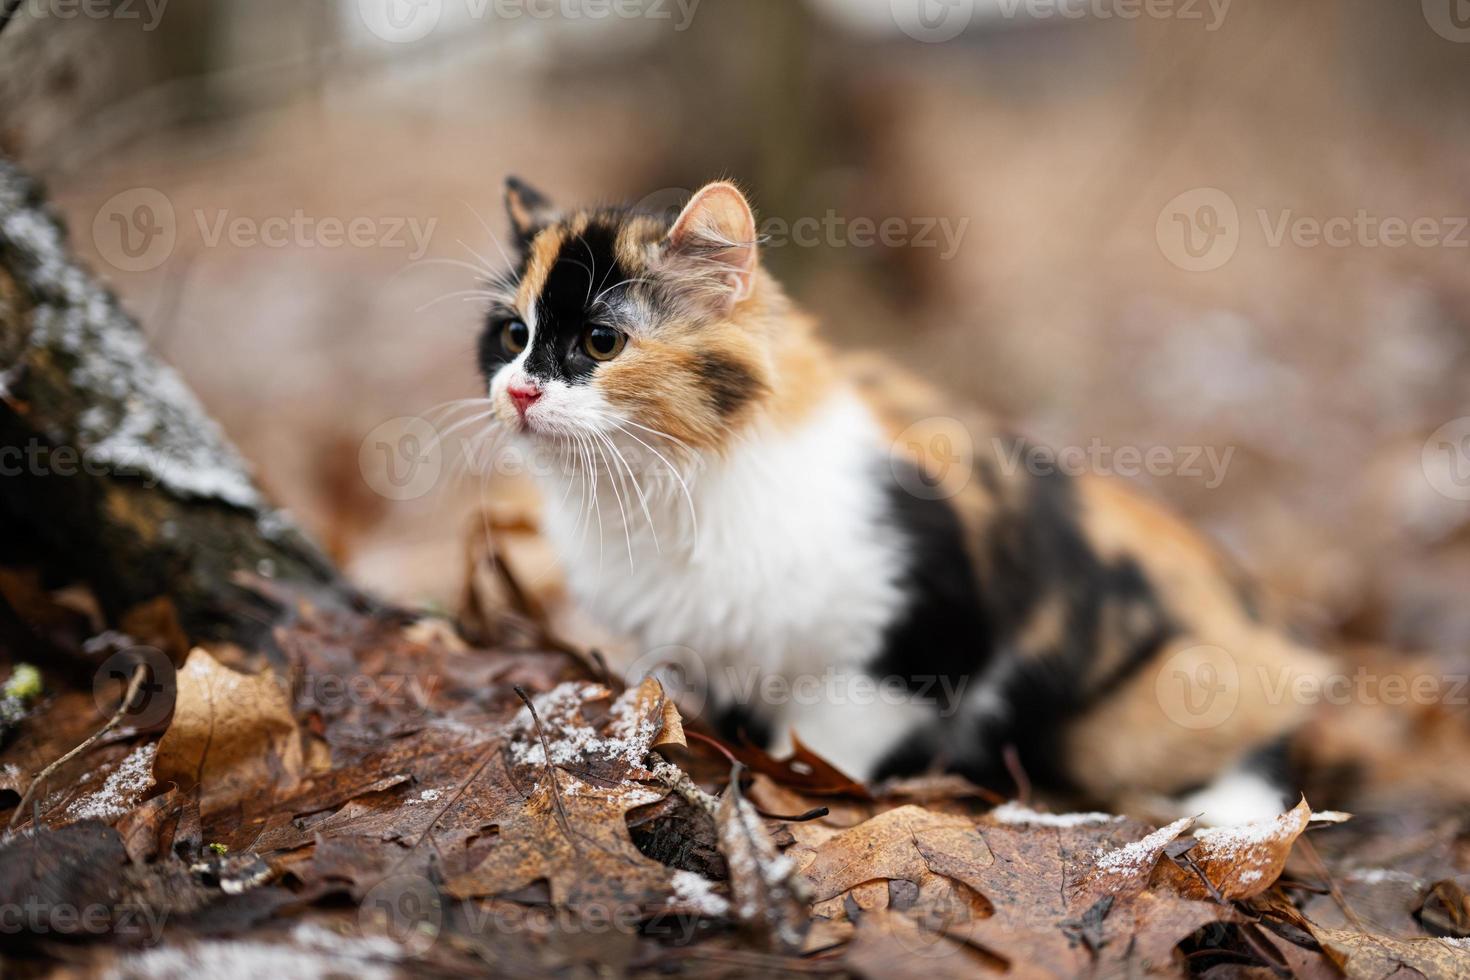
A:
{"points": [[110, 469]]}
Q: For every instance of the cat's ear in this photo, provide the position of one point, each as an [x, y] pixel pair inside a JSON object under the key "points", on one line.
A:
{"points": [[529, 209], [714, 236]]}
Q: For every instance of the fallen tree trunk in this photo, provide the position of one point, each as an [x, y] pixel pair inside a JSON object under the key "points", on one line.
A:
{"points": [[110, 470]]}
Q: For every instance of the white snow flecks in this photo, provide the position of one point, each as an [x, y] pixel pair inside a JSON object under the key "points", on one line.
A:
{"points": [[120, 792], [698, 893], [570, 739], [312, 953], [1015, 813], [1133, 858], [149, 424]]}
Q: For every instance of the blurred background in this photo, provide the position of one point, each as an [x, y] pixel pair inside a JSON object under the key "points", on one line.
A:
{"points": [[1100, 222]]}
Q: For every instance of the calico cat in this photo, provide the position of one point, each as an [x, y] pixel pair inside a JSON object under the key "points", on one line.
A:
{"points": [[722, 482]]}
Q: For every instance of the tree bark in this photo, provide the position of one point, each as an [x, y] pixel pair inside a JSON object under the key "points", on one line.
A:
{"points": [[110, 469]]}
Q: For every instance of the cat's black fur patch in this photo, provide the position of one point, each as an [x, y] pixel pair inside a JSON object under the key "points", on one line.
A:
{"points": [[586, 265], [729, 384], [969, 627]]}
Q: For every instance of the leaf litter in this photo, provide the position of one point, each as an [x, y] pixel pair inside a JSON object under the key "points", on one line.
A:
{"points": [[372, 795]]}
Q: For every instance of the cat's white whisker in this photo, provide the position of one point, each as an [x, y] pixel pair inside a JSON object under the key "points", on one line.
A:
{"points": [[622, 512], [688, 497], [637, 489]]}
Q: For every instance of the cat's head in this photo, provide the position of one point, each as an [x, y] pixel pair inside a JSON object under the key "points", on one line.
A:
{"points": [[615, 319]]}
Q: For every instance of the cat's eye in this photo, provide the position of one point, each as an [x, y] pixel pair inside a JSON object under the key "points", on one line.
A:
{"points": [[603, 343], [514, 335]]}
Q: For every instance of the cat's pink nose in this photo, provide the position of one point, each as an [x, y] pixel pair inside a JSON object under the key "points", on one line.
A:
{"points": [[523, 396]]}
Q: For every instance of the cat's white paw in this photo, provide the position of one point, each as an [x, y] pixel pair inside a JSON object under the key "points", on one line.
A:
{"points": [[1236, 797]]}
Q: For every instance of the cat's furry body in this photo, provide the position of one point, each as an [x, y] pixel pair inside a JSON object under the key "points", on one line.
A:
{"points": [[731, 488]]}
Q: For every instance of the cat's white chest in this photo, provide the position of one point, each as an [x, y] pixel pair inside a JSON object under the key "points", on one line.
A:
{"points": [[788, 567]]}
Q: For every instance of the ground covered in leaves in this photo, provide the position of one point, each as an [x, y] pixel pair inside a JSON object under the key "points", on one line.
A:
{"points": [[367, 794]]}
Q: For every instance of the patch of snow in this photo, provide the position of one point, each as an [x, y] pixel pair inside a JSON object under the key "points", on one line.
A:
{"points": [[311, 953], [1015, 813], [427, 796], [1133, 858], [119, 794], [151, 425], [698, 893], [571, 740], [1374, 876], [1241, 839]]}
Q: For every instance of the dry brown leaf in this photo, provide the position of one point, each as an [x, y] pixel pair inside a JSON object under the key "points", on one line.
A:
{"points": [[804, 770], [1075, 918], [232, 736], [767, 895], [888, 846], [1238, 861], [575, 839], [889, 944], [1366, 957]]}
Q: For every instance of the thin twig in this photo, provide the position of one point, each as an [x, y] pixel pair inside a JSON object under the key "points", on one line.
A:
{"points": [[566, 825], [712, 743], [485, 758], [814, 813], [135, 683], [1018, 773], [1309, 851]]}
